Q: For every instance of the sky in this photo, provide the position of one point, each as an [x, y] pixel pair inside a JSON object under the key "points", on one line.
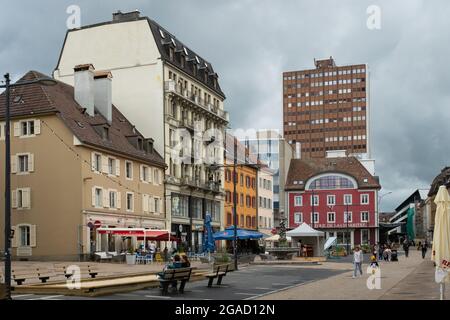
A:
{"points": [[251, 42]]}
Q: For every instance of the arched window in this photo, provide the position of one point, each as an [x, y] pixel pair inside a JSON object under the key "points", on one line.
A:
{"points": [[332, 181]]}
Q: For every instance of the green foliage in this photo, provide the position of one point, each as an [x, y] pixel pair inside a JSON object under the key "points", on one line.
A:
{"points": [[222, 257]]}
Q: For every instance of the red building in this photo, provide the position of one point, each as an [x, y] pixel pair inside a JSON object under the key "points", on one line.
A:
{"points": [[340, 187]]}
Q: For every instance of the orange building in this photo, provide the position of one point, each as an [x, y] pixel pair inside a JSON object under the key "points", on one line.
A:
{"points": [[246, 187]]}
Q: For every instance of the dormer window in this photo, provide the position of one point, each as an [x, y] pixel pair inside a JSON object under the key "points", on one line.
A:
{"points": [[140, 144], [105, 134], [161, 33], [194, 68], [182, 61], [185, 51], [173, 42], [171, 53]]}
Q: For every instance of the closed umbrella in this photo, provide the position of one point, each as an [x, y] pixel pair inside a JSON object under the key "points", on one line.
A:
{"points": [[441, 238]]}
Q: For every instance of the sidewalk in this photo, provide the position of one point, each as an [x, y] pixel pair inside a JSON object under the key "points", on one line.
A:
{"points": [[409, 278]]}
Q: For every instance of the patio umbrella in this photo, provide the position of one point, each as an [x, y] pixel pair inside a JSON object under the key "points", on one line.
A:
{"points": [[441, 238], [210, 245]]}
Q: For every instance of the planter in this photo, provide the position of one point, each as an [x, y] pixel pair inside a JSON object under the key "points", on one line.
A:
{"points": [[131, 258]]}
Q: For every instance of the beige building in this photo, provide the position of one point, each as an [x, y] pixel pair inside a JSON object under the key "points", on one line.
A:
{"points": [[265, 200], [171, 94], [77, 161]]}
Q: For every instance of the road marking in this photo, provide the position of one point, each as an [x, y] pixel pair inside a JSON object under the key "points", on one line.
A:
{"points": [[22, 295], [159, 297], [278, 290], [47, 297], [261, 288]]}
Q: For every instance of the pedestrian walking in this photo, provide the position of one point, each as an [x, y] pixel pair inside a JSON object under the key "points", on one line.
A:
{"points": [[406, 247], [357, 262], [424, 248], [380, 252]]}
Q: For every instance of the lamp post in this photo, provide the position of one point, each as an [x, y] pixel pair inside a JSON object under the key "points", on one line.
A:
{"points": [[7, 86], [378, 210]]}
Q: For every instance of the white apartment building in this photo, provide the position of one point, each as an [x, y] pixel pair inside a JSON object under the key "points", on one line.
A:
{"points": [[171, 94], [265, 200]]}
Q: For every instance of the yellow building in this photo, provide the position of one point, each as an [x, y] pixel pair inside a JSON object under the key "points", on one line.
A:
{"points": [[246, 186], [77, 162]]}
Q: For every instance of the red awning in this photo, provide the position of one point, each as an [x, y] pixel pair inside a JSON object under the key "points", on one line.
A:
{"points": [[134, 232]]}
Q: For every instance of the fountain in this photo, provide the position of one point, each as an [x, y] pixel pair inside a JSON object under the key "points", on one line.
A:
{"points": [[283, 251]]}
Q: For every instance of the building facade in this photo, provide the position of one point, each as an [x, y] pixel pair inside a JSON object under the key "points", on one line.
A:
{"points": [[171, 94], [77, 162], [246, 186], [265, 200], [334, 195], [273, 150], [327, 108]]}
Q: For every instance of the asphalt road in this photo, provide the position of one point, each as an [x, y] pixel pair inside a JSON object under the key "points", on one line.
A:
{"points": [[247, 283]]}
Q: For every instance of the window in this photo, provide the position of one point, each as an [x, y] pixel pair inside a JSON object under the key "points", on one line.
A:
{"points": [[156, 176], [364, 236], [364, 216], [298, 217], [347, 217], [347, 199], [27, 128], [23, 163], [364, 199], [24, 233], [247, 201], [315, 200], [130, 201], [331, 217], [97, 162], [298, 201], [145, 173], [112, 166], [331, 200], [329, 182], [129, 170], [157, 205], [242, 199], [242, 179], [98, 196], [113, 199], [315, 217]]}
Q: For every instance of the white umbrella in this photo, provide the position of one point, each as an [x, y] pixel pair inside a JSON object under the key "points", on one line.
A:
{"points": [[441, 238]]}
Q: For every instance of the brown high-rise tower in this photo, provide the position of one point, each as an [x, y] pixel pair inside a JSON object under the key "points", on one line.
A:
{"points": [[327, 109]]}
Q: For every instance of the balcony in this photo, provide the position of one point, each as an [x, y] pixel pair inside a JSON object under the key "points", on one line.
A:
{"points": [[185, 123], [173, 88]]}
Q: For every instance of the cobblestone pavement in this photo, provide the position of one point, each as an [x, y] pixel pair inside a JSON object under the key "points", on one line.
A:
{"points": [[409, 278]]}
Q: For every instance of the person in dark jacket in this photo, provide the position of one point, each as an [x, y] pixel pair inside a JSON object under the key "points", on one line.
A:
{"points": [[424, 248], [406, 247]]}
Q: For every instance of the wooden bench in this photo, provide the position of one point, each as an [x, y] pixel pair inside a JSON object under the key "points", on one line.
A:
{"points": [[170, 276], [218, 272], [20, 276], [86, 271]]}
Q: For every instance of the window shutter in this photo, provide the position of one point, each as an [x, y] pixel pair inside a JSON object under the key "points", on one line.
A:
{"points": [[145, 202], [93, 161], [104, 164], [15, 237], [152, 204], [117, 167], [33, 235], [160, 172], [14, 198], [30, 162], [119, 200], [105, 198], [14, 164], [93, 196], [141, 172], [17, 129], [37, 126], [150, 174], [26, 198]]}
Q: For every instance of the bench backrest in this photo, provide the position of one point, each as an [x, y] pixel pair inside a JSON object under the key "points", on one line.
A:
{"points": [[221, 268], [178, 274]]}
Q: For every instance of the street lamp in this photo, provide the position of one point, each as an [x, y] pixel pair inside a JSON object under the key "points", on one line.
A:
{"points": [[8, 234], [380, 197]]}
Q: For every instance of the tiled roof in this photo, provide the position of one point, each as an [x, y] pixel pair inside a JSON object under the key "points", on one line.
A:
{"points": [[35, 99], [304, 169]]}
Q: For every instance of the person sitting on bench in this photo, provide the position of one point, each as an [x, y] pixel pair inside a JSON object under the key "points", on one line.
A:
{"points": [[185, 263], [176, 263]]}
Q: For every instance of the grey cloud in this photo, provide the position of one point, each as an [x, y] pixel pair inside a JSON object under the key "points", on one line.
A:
{"points": [[250, 44]]}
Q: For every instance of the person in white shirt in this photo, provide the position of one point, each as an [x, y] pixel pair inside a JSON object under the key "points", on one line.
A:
{"points": [[357, 262]]}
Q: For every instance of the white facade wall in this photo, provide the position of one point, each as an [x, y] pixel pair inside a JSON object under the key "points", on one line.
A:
{"points": [[265, 214]]}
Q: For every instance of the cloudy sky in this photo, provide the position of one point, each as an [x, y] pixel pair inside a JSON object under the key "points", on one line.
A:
{"points": [[251, 42]]}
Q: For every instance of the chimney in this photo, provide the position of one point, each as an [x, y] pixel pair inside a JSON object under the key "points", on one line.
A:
{"points": [[84, 87], [103, 94], [298, 150], [126, 16]]}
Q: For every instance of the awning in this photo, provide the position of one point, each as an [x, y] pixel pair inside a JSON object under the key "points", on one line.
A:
{"points": [[329, 243], [135, 232], [304, 230], [228, 234]]}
